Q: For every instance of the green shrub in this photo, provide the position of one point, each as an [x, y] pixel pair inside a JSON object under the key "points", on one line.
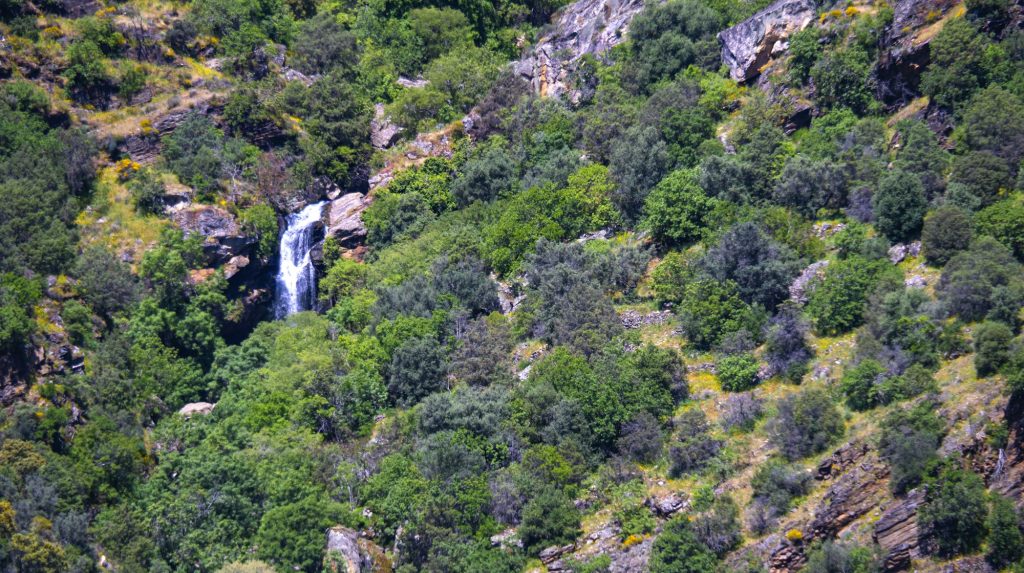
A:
{"points": [[955, 511], [991, 347], [737, 373]]}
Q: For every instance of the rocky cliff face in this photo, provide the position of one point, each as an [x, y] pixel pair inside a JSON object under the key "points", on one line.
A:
{"points": [[584, 27], [749, 45]]}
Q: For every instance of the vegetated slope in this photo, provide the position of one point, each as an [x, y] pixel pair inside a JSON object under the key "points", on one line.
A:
{"points": [[746, 295]]}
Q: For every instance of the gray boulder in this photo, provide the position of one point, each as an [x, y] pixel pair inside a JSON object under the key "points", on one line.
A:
{"points": [[345, 219], [749, 45]]}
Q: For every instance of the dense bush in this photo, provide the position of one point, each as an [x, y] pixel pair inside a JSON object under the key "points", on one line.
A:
{"points": [[991, 347], [676, 210], [908, 441], [837, 303], [737, 373], [549, 518], [899, 206], [955, 511], [946, 232], [693, 448], [806, 423], [678, 550]]}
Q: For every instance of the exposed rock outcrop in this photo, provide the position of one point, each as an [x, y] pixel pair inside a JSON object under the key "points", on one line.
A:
{"points": [[583, 27], [144, 147], [749, 45], [223, 238], [345, 219], [897, 532], [906, 53], [348, 552]]}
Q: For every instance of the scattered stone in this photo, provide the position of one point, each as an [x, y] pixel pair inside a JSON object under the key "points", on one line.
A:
{"points": [[665, 506], [551, 554], [506, 538], [202, 408], [383, 132], [897, 253], [799, 291], [632, 319], [412, 83]]}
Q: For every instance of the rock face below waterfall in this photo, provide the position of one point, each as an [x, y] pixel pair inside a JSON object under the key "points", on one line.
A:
{"points": [[749, 45], [584, 27], [345, 219]]}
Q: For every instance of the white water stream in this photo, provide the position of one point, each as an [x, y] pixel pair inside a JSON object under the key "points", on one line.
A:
{"points": [[296, 276]]}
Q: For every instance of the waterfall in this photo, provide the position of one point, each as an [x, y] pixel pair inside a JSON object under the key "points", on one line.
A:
{"points": [[296, 276]]}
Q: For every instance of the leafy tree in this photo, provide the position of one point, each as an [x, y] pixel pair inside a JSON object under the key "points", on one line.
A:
{"points": [[417, 369], [105, 283], [804, 51], [670, 37], [806, 424], [1003, 221], [194, 152], [463, 77], [261, 221], [761, 268], [719, 528], [776, 484], [908, 442], [957, 67], [837, 303], [393, 217], [676, 210], [693, 448], [970, 278], [549, 518], [483, 178], [955, 511], [322, 44], [677, 550], [899, 206], [440, 30], [806, 186], [993, 122], [17, 295], [840, 78], [1005, 539], [292, 535], [982, 175], [638, 162], [991, 347], [711, 309], [946, 232], [339, 124], [86, 72], [861, 384], [921, 155], [482, 358], [841, 557], [553, 214], [786, 349], [641, 438], [737, 373]]}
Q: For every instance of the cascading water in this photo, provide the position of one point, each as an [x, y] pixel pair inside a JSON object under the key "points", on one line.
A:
{"points": [[296, 276]]}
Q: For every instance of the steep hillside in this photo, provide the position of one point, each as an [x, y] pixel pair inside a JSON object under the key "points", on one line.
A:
{"points": [[522, 285]]}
